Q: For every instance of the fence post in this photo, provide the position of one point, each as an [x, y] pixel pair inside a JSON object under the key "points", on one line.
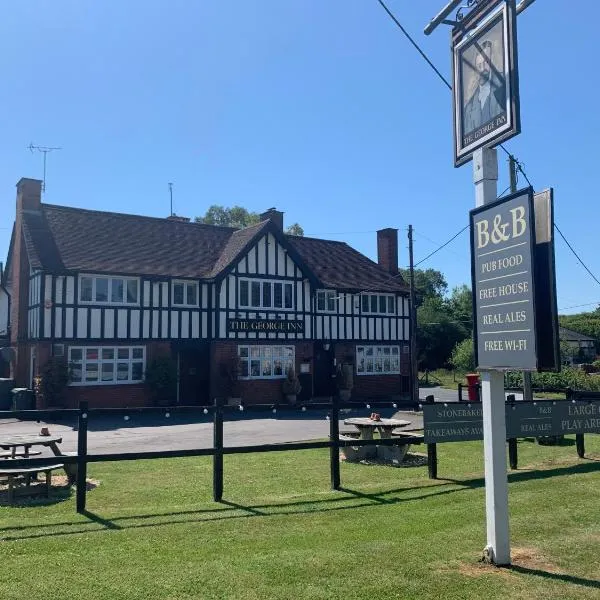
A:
{"points": [[334, 437], [218, 448], [580, 442], [512, 453], [432, 460], [82, 430]]}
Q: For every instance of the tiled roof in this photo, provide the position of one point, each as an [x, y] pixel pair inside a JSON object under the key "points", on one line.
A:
{"points": [[568, 335], [89, 240], [340, 266], [62, 238], [238, 240]]}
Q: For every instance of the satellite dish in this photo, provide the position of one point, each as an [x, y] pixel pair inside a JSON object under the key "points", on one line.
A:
{"points": [[8, 354]]}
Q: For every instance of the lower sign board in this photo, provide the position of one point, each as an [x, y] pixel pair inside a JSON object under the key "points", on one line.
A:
{"points": [[502, 270], [464, 422]]}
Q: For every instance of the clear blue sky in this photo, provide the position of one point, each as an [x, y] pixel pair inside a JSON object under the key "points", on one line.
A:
{"points": [[321, 109]]}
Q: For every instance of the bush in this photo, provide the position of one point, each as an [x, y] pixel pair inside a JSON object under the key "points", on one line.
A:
{"points": [[54, 377], [161, 380], [575, 379], [463, 356]]}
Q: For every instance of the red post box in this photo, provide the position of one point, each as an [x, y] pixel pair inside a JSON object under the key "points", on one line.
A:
{"points": [[472, 383]]}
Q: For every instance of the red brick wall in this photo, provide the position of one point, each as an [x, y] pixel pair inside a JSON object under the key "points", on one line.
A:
{"points": [[115, 396], [257, 391], [374, 386]]}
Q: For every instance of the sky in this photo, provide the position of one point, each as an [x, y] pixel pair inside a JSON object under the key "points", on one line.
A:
{"points": [[320, 109]]}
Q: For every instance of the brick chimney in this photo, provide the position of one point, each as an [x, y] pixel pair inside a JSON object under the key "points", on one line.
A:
{"points": [[387, 249], [29, 199], [272, 214]]}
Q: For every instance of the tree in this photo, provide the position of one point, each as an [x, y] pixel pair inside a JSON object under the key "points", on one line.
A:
{"points": [[428, 284], [437, 333], [463, 356], [237, 216], [295, 229], [460, 306]]}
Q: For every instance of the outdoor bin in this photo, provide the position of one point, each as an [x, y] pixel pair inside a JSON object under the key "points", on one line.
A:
{"points": [[472, 386], [6, 385], [23, 399]]}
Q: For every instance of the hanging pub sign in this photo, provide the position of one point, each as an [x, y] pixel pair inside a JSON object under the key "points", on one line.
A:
{"points": [[484, 65], [502, 271]]}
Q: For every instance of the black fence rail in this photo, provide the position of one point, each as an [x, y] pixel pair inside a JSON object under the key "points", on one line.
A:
{"points": [[218, 450]]}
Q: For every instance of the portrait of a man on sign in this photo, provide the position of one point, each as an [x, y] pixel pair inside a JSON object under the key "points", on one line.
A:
{"points": [[485, 83], [484, 87]]}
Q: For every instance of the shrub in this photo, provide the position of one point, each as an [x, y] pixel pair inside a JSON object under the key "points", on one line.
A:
{"points": [[161, 380], [54, 377], [463, 356]]}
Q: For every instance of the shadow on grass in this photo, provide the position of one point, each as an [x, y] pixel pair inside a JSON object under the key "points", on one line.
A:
{"points": [[593, 583], [351, 499]]}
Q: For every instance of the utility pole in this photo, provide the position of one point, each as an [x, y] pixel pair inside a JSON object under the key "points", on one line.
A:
{"points": [[527, 389], [414, 369], [171, 194], [44, 150]]}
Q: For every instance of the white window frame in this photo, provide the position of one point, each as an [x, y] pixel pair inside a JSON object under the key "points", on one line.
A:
{"points": [[378, 354], [277, 351], [100, 361], [378, 312], [109, 302], [327, 295], [185, 283], [272, 283]]}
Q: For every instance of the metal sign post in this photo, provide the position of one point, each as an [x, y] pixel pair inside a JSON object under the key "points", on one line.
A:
{"points": [[485, 178]]}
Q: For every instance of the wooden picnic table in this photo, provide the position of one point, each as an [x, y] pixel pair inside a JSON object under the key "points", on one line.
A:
{"points": [[384, 427], [14, 442]]}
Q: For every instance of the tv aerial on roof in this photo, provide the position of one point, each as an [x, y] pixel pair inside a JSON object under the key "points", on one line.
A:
{"points": [[44, 150]]}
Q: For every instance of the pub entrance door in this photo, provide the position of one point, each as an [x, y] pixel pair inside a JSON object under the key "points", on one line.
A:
{"points": [[324, 381], [194, 375]]}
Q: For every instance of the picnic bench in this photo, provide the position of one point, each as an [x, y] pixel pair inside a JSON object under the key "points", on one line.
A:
{"points": [[27, 472]]}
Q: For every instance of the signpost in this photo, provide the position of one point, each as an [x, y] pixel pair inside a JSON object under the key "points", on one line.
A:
{"points": [[486, 112]]}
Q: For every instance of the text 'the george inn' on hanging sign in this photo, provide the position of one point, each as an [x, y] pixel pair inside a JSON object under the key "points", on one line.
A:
{"points": [[461, 422], [514, 284]]}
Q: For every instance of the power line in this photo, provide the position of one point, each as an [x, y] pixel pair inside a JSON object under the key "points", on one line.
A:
{"points": [[442, 246], [576, 255], [580, 305]]}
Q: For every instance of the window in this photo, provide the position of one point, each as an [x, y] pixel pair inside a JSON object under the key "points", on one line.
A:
{"points": [[266, 362], [108, 290], [377, 360], [378, 304], [103, 365], [185, 293], [326, 301], [58, 350], [255, 293]]}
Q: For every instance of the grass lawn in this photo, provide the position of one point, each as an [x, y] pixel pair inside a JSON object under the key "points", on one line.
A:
{"points": [[153, 532]]}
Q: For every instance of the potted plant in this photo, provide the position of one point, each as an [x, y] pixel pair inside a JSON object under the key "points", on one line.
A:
{"points": [[345, 380], [229, 371], [291, 386]]}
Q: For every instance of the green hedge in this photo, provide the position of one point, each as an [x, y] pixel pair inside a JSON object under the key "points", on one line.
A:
{"points": [[575, 379]]}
